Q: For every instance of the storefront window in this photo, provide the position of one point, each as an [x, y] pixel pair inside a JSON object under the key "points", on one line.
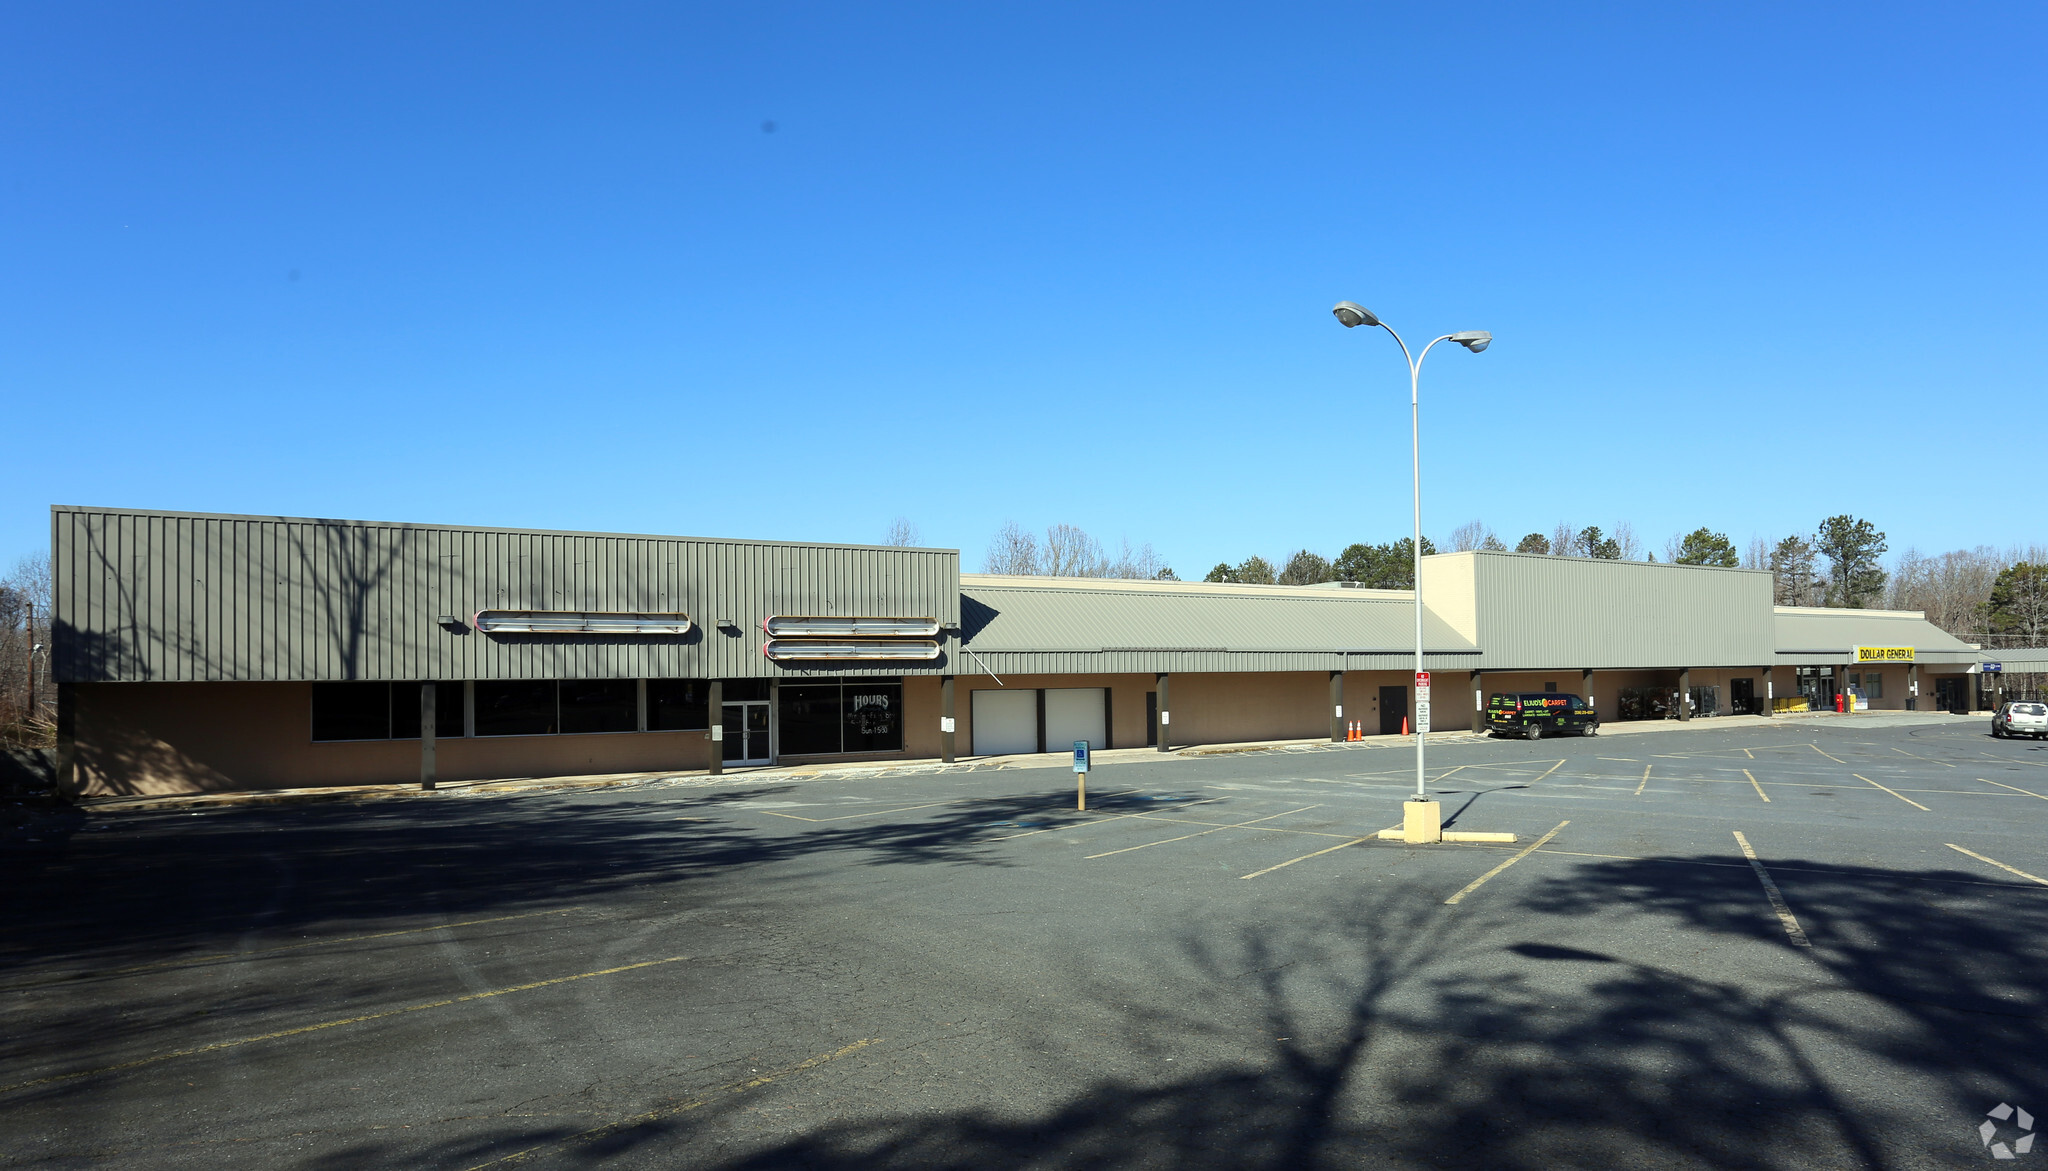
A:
{"points": [[600, 705], [677, 705], [518, 707], [405, 711], [874, 717], [810, 718], [353, 711], [820, 718]]}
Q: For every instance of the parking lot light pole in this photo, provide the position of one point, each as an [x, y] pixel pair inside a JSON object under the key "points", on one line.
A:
{"points": [[1351, 314]]}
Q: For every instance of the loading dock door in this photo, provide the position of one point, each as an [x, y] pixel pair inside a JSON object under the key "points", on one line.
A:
{"points": [[1075, 713], [1005, 722], [1393, 710]]}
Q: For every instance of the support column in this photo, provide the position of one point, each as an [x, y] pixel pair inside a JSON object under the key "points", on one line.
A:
{"points": [[1159, 685], [1685, 694], [946, 718], [1586, 687], [1478, 701], [1913, 688], [428, 696], [1770, 694], [715, 699], [1336, 706], [67, 739]]}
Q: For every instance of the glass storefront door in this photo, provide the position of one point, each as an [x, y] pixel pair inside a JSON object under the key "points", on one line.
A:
{"points": [[746, 732]]}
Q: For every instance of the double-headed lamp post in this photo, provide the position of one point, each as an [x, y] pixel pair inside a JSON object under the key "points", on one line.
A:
{"points": [[1352, 314]]}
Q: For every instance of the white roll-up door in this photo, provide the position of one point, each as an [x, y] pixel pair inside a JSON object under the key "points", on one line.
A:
{"points": [[1005, 722], [1075, 713]]}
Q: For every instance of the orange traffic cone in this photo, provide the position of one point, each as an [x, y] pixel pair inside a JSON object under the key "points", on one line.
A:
{"points": [[1404, 727]]}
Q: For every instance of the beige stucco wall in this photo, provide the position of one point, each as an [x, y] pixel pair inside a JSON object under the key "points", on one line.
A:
{"points": [[138, 738], [151, 738]]}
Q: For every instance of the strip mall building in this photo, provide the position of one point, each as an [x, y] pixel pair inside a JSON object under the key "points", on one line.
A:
{"points": [[204, 652]]}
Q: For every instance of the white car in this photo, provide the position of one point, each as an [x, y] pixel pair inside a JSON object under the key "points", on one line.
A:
{"points": [[2021, 719]]}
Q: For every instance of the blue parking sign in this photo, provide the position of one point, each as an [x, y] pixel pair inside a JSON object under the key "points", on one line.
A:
{"points": [[1080, 756]]}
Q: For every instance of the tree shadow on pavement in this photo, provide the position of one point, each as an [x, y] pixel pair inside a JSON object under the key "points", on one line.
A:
{"points": [[1382, 1034]]}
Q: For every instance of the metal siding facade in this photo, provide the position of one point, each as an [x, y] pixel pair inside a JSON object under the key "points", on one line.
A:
{"points": [[1543, 613], [160, 596], [1813, 636], [1075, 629]]}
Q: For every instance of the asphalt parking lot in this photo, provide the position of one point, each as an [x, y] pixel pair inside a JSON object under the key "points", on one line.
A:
{"points": [[1815, 944]]}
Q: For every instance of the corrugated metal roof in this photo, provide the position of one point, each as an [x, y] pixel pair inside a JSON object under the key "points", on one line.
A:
{"points": [[197, 597], [1808, 634], [1053, 625]]}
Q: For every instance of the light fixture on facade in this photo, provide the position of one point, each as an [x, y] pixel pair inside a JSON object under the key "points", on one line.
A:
{"points": [[835, 626], [579, 622], [849, 649]]}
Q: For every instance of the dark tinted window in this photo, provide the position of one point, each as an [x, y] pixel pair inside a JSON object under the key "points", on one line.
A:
{"points": [[515, 708], [738, 689], [600, 705], [405, 710], [810, 718], [874, 717], [353, 711], [675, 705]]}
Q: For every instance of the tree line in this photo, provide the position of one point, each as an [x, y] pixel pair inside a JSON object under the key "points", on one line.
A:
{"points": [[24, 626], [1985, 595], [1988, 596]]}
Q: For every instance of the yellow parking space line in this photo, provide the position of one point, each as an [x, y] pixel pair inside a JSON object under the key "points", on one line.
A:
{"points": [[1644, 781], [738, 1087], [1205, 833], [1084, 823], [1306, 857], [302, 1030], [1928, 759], [2014, 760], [264, 951], [1482, 879], [1777, 897], [1893, 792], [1759, 788], [2014, 788], [1997, 863], [1546, 772], [1829, 755]]}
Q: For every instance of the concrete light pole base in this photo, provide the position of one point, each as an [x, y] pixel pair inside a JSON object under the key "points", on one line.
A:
{"points": [[1421, 821]]}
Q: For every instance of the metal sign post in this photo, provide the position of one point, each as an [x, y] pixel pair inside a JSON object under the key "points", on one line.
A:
{"points": [[1081, 774]]}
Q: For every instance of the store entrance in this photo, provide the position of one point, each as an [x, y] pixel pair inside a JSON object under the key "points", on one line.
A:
{"points": [[1818, 688], [1393, 710], [746, 732], [1952, 694]]}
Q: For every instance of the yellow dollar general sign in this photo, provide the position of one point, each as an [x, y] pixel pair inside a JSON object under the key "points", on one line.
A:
{"points": [[1884, 654]]}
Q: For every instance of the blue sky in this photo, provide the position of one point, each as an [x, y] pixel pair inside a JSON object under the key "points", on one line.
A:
{"points": [[543, 266]]}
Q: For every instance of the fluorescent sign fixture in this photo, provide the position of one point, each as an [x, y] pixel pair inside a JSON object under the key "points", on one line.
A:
{"points": [[578, 622], [783, 650], [831, 626]]}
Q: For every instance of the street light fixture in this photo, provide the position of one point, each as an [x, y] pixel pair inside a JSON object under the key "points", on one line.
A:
{"points": [[1351, 314]]}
